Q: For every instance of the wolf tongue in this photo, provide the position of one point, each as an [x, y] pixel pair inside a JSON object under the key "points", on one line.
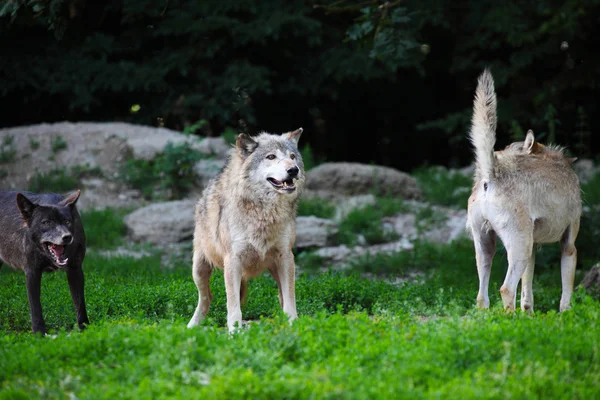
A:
{"points": [[57, 249]]}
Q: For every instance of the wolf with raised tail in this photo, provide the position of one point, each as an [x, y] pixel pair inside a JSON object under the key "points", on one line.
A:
{"points": [[526, 194], [246, 222]]}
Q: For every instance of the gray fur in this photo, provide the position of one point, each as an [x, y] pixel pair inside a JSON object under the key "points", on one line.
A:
{"points": [[245, 222], [526, 194]]}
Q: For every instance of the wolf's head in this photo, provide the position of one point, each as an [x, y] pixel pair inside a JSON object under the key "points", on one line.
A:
{"points": [[273, 161], [533, 147], [50, 226]]}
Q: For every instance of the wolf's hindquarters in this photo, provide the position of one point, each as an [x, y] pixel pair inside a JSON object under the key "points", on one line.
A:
{"points": [[201, 271], [483, 125]]}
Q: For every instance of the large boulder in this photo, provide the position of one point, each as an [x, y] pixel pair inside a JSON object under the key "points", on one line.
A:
{"points": [[333, 180], [591, 280], [314, 232], [162, 223], [41, 148]]}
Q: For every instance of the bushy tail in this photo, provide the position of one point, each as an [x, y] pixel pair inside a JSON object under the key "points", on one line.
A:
{"points": [[483, 126]]}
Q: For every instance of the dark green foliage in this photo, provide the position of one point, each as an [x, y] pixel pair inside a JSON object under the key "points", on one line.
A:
{"points": [[7, 150], [34, 144], [61, 180], [309, 158], [170, 171], [392, 73], [57, 144]]}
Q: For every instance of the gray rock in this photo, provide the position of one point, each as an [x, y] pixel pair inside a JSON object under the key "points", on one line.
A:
{"points": [[162, 223], [207, 169], [346, 205], [591, 280], [314, 232], [341, 256], [214, 146], [444, 225], [332, 180], [585, 169]]}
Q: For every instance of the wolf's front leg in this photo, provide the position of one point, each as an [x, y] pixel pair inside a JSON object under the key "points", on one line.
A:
{"points": [[233, 282], [33, 277], [76, 286], [286, 272]]}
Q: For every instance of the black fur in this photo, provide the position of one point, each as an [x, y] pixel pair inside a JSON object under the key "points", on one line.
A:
{"points": [[30, 223]]}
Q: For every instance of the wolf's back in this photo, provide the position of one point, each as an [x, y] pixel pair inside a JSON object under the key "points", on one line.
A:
{"points": [[483, 126]]}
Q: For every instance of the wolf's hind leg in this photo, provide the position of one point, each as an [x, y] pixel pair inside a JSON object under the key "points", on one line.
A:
{"points": [[201, 271], [527, 284], [485, 247], [568, 263], [519, 250]]}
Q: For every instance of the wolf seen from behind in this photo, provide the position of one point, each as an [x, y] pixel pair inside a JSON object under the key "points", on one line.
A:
{"points": [[245, 222], [526, 195], [44, 233]]}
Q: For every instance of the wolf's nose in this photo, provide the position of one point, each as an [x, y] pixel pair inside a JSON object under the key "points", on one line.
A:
{"points": [[68, 239], [292, 172]]}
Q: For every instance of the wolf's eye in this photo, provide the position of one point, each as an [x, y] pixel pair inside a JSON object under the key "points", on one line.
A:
{"points": [[293, 156], [271, 157], [46, 222], [68, 223]]}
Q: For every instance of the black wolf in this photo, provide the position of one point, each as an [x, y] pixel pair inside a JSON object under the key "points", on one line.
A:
{"points": [[43, 233]]}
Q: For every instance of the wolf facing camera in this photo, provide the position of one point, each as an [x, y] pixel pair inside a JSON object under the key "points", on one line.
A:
{"points": [[246, 222], [44, 233]]}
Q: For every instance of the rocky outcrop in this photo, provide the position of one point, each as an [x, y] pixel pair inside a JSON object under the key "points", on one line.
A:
{"points": [[334, 180]]}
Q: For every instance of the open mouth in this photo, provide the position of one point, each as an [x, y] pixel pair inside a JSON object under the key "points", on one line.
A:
{"points": [[58, 253], [287, 185]]}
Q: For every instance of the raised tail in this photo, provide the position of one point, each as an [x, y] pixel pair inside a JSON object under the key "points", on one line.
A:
{"points": [[483, 126]]}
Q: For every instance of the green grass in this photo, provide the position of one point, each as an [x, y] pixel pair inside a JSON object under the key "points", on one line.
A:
{"points": [[355, 338], [315, 206], [443, 187], [104, 229]]}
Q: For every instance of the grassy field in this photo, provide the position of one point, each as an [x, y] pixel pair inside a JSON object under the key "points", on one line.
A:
{"points": [[355, 338]]}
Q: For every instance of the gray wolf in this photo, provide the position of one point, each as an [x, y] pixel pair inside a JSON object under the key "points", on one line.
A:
{"points": [[527, 194], [43, 233], [245, 222]]}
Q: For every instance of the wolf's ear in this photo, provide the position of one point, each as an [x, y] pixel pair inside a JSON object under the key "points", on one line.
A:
{"points": [[530, 145], [295, 135], [71, 199], [25, 206], [245, 145]]}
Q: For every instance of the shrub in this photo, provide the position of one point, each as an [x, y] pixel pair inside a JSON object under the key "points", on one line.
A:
{"points": [[61, 180], [171, 171], [443, 187]]}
